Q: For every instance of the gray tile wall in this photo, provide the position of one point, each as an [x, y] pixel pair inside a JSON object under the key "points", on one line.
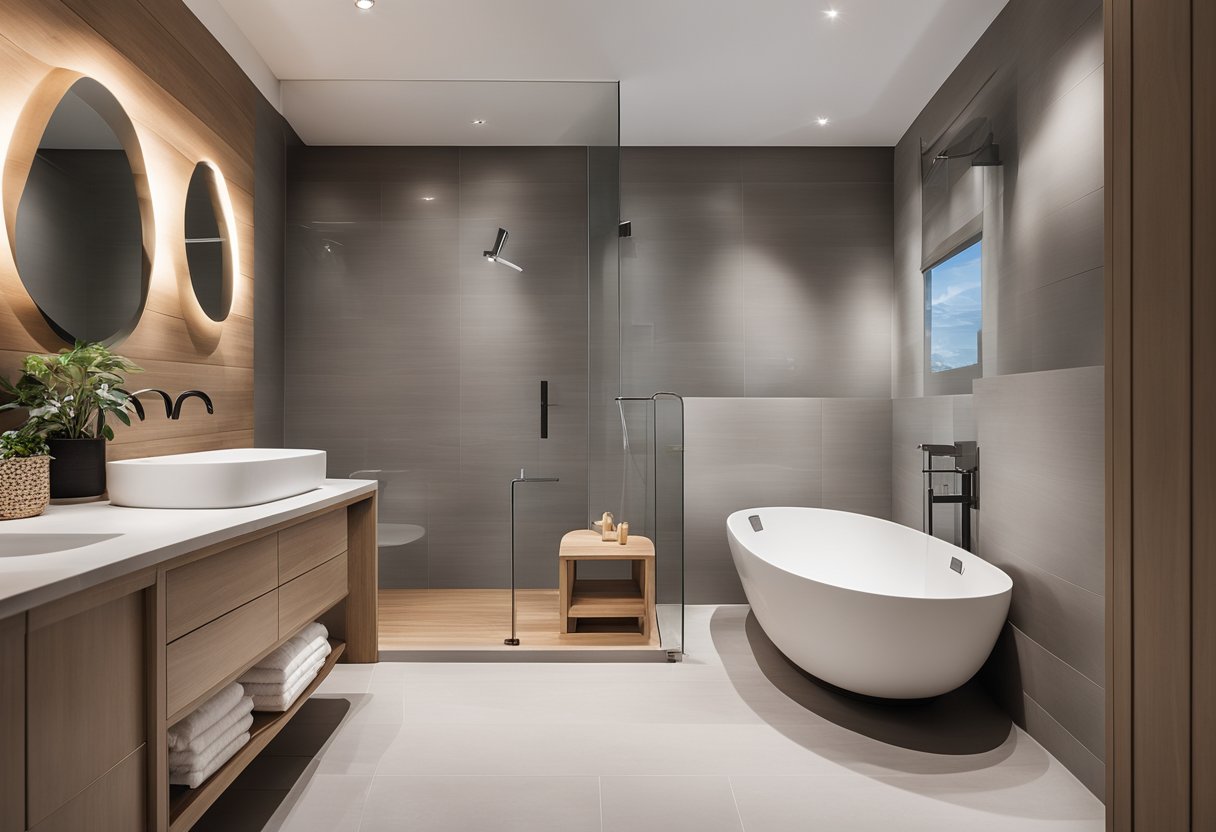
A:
{"points": [[1038, 414], [761, 272], [1043, 469], [1043, 305], [748, 452], [406, 350]]}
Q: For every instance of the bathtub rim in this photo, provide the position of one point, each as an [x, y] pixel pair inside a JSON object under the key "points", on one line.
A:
{"points": [[744, 513]]}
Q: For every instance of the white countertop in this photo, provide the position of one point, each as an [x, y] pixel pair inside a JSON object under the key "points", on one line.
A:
{"points": [[142, 538]]}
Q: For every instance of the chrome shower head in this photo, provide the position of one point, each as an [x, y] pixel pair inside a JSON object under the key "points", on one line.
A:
{"points": [[494, 255]]}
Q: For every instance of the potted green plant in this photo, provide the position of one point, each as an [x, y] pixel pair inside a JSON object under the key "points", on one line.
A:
{"points": [[25, 473], [69, 395]]}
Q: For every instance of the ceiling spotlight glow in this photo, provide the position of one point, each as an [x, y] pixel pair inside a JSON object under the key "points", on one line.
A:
{"points": [[823, 121], [831, 14], [364, 4], [477, 122], [428, 199]]}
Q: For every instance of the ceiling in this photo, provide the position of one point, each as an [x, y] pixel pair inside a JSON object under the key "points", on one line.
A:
{"points": [[692, 72]]}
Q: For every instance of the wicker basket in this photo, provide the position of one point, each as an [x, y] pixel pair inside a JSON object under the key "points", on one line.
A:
{"points": [[25, 486]]}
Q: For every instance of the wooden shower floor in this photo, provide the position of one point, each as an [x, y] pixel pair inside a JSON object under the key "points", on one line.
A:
{"points": [[479, 619]]}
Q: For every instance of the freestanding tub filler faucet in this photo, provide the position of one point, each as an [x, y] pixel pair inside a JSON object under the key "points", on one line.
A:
{"points": [[964, 458]]}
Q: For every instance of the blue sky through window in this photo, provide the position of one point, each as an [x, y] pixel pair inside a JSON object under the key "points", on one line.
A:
{"points": [[955, 311]]}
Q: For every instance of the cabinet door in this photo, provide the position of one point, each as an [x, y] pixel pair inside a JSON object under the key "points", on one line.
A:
{"points": [[12, 724], [85, 695], [114, 803]]}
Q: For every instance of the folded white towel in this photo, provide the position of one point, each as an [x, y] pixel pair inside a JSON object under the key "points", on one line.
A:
{"points": [[291, 649], [284, 700], [206, 715], [219, 729], [190, 760], [275, 688], [195, 777], [274, 676]]}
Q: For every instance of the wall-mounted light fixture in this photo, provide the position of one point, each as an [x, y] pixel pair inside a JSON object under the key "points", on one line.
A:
{"points": [[494, 254]]}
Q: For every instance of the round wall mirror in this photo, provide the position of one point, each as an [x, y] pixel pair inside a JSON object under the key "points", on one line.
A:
{"points": [[208, 242], [79, 236]]}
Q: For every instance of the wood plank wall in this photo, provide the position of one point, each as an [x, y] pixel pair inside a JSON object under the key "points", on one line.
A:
{"points": [[1161, 470], [189, 101]]}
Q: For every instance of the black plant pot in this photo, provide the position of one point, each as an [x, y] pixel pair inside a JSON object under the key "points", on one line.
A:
{"points": [[78, 468]]}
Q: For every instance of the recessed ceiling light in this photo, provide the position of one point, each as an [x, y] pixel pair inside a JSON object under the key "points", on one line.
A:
{"points": [[477, 122], [364, 4], [831, 14], [823, 121], [428, 199]]}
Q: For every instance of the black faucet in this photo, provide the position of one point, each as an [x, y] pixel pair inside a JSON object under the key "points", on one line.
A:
{"points": [[195, 394], [139, 407], [966, 463]]}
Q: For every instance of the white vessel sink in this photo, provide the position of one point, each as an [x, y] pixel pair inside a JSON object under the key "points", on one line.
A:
{"points": [[215, 479]]}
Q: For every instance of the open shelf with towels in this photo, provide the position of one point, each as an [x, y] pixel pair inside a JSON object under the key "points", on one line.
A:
{"points": [[186, 806]]}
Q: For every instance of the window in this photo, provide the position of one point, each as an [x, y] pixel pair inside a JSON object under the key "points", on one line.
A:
{"points": [[954, 311]]}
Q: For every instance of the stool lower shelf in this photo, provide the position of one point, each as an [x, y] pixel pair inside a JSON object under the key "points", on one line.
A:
{"points": [[606, 599]]}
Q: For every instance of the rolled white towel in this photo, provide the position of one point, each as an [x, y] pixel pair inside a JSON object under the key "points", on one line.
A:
{"points": [[277, 688], [221, 728], [283, 701], [206, 715], [275, 676], [195, 777], [191, 760], [289, 650]]}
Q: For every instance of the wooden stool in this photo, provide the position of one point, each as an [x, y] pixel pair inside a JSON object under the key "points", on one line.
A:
{"points": [[591, 598]]}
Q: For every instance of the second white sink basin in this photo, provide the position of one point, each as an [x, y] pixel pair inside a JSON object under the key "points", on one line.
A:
{"points": [[22, 545], [215, 479]]}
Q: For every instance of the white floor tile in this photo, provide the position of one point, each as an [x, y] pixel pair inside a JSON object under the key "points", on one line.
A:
{"points": [[323, 803], [712, 743], [861, 804], [669, 804], [357, 749], [594, 750], [347, 678], [382, 705], [493, 804]]}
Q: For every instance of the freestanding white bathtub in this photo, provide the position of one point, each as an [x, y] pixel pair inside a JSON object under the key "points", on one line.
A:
{"points": [[866, 604]]}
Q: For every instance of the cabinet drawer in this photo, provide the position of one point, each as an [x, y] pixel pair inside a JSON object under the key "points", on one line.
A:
{"points": [[202, 591], [310, 544], [301, 601], [197, 662]]}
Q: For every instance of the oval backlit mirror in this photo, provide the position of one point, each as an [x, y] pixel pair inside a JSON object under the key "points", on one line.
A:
{"points": [[208, 242], [80, 234]]}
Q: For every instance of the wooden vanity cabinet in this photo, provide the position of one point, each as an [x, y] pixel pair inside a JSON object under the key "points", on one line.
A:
{"points": [[91, 683]]}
